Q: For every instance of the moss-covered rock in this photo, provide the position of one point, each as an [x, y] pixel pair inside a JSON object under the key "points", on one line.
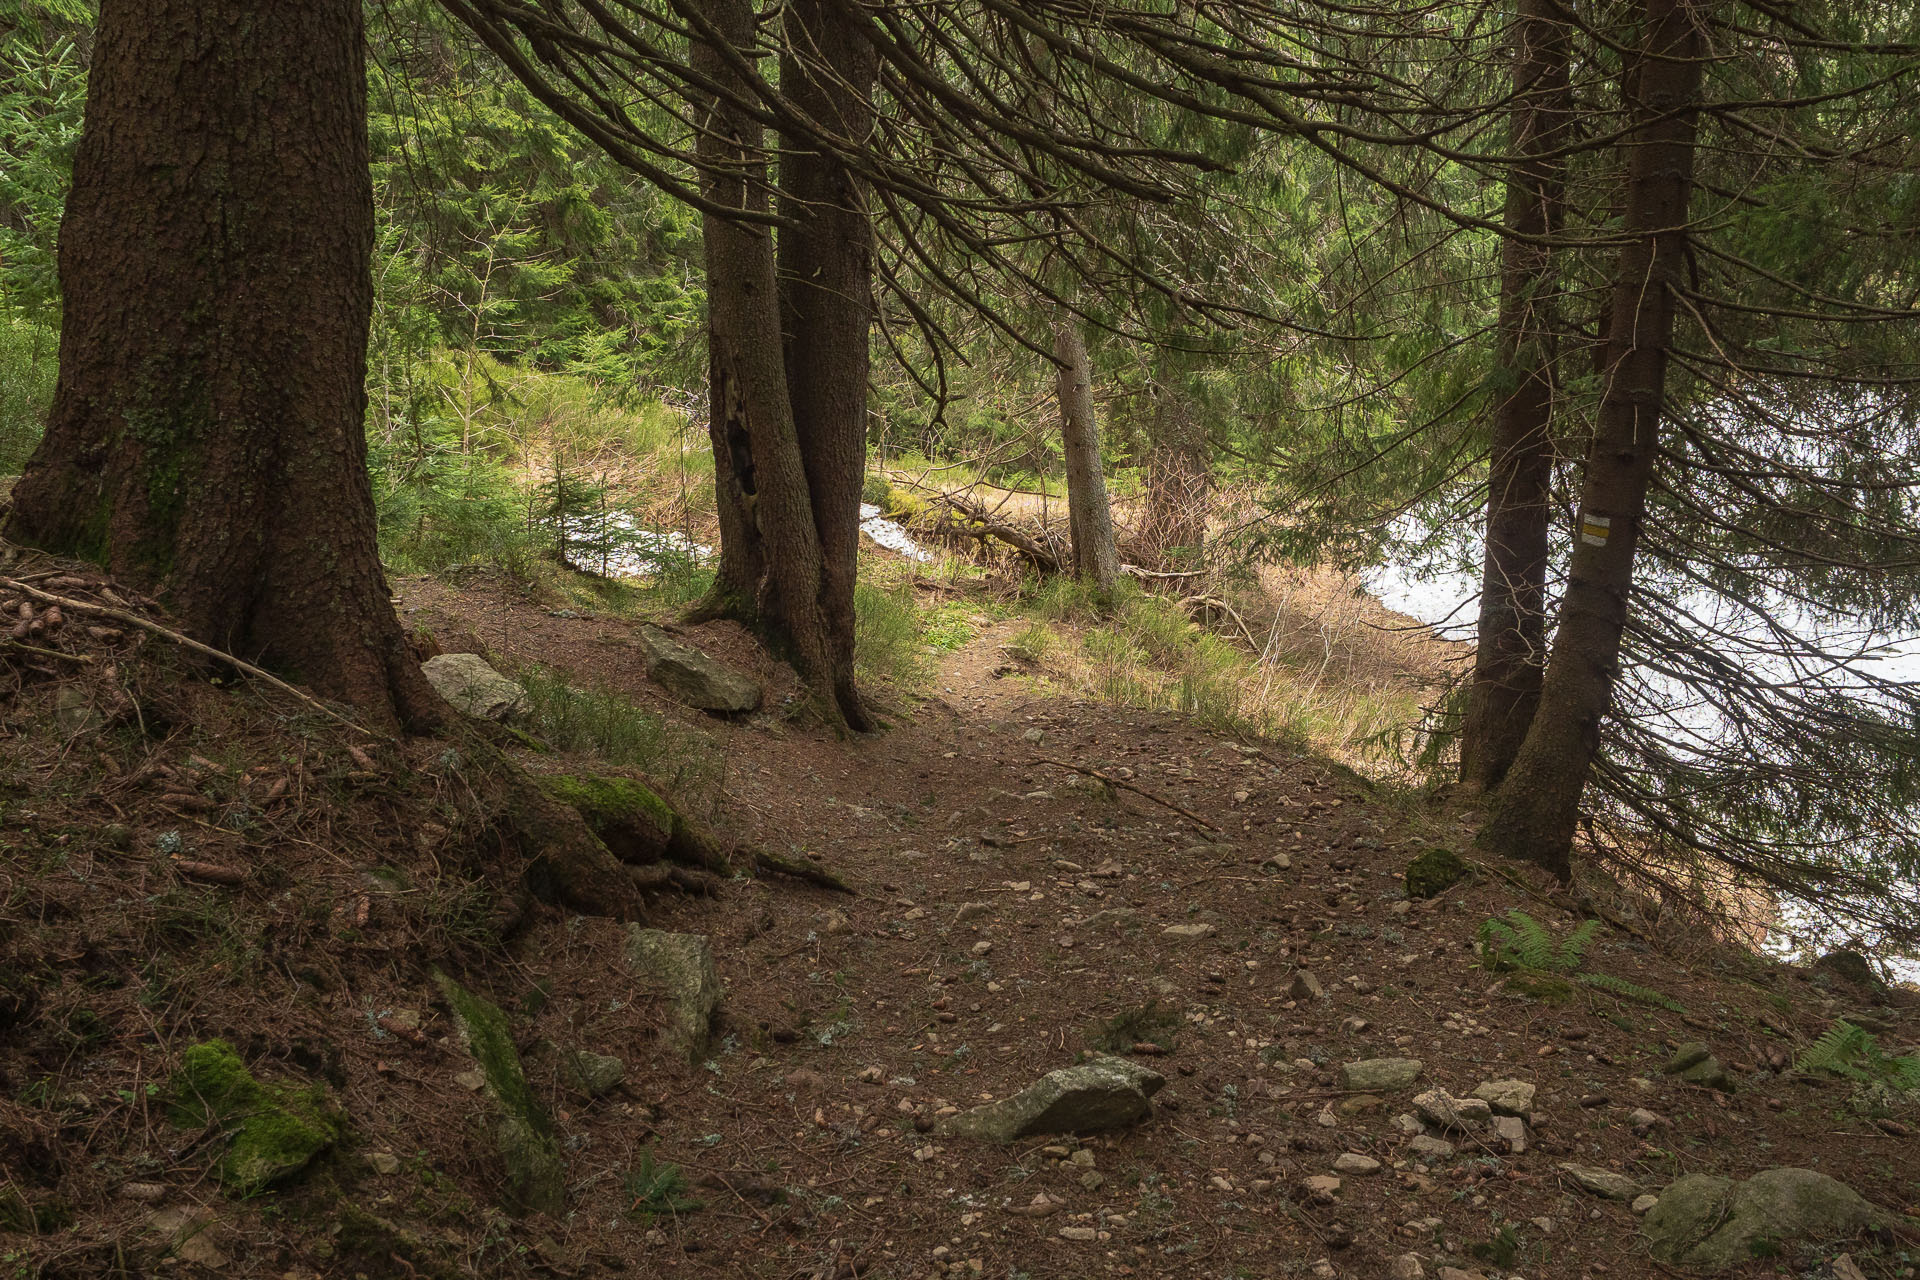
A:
{"points": [[1434, 872], [1704, 1221], [529, 1148], [635, 824], [276, 1130]]}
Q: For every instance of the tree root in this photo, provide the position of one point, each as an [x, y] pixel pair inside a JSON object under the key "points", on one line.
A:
{"points": [[799, 870]]}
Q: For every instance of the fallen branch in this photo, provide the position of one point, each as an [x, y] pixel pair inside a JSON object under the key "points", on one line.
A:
{"points": [[1123, 784], [185, 642], [1193, 604]]}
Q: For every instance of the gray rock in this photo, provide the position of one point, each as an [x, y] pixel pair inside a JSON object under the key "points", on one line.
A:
{"points": [[1507, 1097], [1604, 1183], [473, 688], [1695, 1064], [1429, 1148], [1105, 1093], [1406, 1267], [1512, 1131], [972, 911], [695, 678], [1704, 1221], [1306, 987], [529, 1147], [1645, 1121], [1191, 932], [593, 1073], [1381, 1075], [1643, 1204], [683, 964], [1355, 1163], [1442, 1110]]}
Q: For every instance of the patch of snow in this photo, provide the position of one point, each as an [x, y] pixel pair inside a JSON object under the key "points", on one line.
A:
{"points": [[892, 536]]}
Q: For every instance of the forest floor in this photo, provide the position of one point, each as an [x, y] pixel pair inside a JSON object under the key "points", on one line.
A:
{"points": [[1011, 912]]}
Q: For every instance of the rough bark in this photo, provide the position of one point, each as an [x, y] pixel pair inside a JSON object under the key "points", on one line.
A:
{"points": [[828, 70], [1535, 811], [740, 295], [1179, 479], [1511, 654], [1089, 512], [207, 436]]}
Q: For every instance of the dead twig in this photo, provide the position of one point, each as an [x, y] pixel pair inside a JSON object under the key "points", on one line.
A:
{"points": [[185, 642], [1124, 785]]}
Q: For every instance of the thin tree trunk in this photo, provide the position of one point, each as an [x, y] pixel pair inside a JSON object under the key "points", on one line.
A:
{"points": [[828, 70], [1512, 647], [1535, 811], [1089, 512], [1179, 475], [207, 438]]}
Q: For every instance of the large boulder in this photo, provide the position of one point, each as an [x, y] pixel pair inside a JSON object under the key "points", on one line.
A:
{"points": [[1104, 1093], [529, 1147], [1704, 1221], [694, 678], [683, 964], [473, 688]]}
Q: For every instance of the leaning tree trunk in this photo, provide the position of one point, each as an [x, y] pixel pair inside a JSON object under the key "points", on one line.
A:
{"points": [[828, 70], [1513, 629], [1089, 512], [207, 438], [1536, 809]]}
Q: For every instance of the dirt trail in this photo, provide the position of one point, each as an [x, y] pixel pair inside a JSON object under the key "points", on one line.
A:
{"points": [[1008, 909]]}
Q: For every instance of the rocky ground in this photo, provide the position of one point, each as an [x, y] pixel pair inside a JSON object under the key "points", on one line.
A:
{"points": [[1305, 1071]]}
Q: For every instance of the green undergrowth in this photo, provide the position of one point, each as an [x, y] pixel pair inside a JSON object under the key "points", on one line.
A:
{"points": [[613, 729], [1544, 965], [899, 635], [1140, 649]]}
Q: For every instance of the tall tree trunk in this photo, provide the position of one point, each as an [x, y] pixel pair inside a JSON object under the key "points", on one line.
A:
{"points": [[773, 566], [1179, 473], [1513, 629], [1089, 512], [828, 70], [207, 438], [743, 321], [1535, 811]]}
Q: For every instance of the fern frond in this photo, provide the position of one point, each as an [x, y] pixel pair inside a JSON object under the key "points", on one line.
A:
{"points": [[1574, 949], [1629, 990]]}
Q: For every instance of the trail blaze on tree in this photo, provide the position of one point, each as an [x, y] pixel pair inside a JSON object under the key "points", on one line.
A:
{"points": [[207, 436]]}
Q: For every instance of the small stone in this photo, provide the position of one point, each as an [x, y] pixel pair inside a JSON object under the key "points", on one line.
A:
{"points": [[835, 922], [972, 911], [1355, 1163], [982, 948], [1322, 1186], [1189, 931], [1032, 735], [1323, 1270], [1093, 1180], [1641, 1204], [1543, 1225], [384, 1163], [1507, 1097], [805, 1081], [1444, 1111], [596, 1074], [1512, 1131], [1081, 1234], [1406, 1267], [1104, 1093], [473, 688], [1457, 1273], [1431, 1149], [1604, 1183], [1305, 986], [1645, 1121], [471, 1081], [1381, 1075]]}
